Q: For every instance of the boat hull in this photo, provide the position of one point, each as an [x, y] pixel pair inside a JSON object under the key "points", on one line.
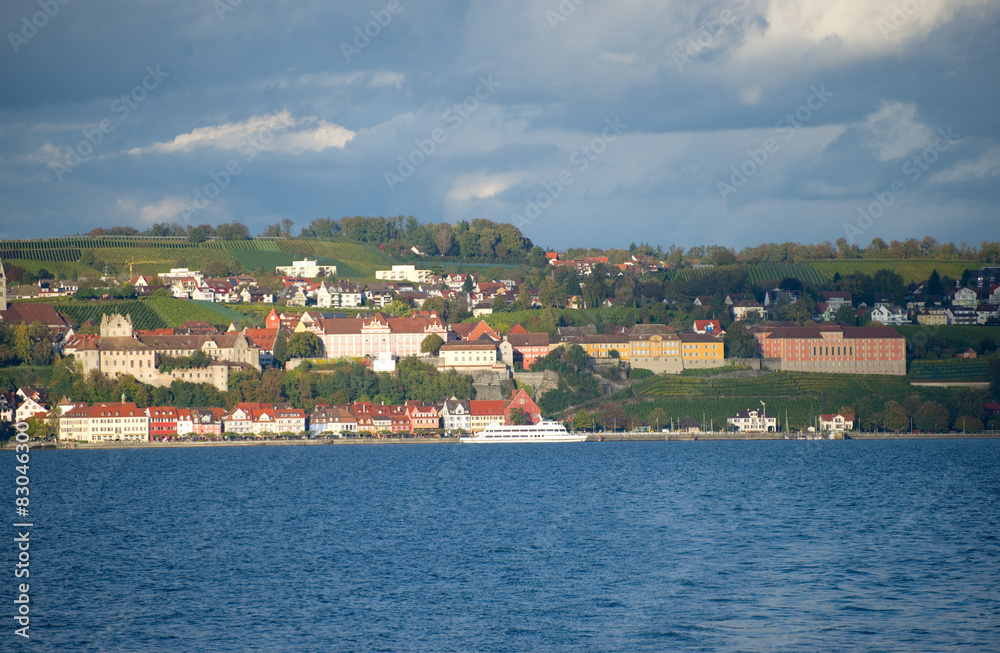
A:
{"points": [[501, 439]]}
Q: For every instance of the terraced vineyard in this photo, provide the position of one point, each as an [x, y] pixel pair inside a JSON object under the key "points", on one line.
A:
{"points": [[759, 273], [956, 369], [800, 394], [176, 312], [143, 315]]}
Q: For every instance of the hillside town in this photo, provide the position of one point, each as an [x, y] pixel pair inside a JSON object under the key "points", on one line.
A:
{"points": [[447, 323]]}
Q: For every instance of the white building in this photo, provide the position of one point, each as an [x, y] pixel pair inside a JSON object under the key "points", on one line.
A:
{"points": [[752, 421], [456, 415], [466, 356], [836, 422], [343, 294], [889, 315], [110, 422], [404, 273], [306, 269]]}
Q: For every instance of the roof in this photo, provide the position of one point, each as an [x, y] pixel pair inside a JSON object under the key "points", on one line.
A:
{"points": [[485, 407], [817, 332], [829, 418], [31, 313], [690, 336], [466, 345], [528, 339], [127, 409]]}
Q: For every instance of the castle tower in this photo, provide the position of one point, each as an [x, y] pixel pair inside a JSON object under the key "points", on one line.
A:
{"points": [[115, 326], [3, 289]]}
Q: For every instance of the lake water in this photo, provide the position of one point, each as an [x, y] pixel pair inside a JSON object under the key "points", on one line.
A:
{"points": [[645, 546]]}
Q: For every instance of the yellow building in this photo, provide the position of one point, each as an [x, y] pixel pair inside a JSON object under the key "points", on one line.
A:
{"points": [[701, 350]]}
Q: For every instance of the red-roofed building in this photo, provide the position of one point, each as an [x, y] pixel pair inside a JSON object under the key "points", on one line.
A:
{"points": [[484, 413], [834, 348], [275, 320], [423, 417], [520, 399], [372, 336], [836, 422], [162, 421], [524, 348], [200, 421], [105, 422], [712, 327]]}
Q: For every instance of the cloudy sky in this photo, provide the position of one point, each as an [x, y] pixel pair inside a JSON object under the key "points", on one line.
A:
{"points": [[585, 122]]}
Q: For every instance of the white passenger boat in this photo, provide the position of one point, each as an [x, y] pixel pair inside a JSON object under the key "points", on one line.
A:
{"points": [[544, 431]]}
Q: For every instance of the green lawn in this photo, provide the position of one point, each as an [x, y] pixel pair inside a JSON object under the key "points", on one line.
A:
{"points": [[912, 271]]}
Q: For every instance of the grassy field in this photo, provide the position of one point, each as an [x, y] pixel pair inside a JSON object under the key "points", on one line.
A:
{"points": [[912, 271]]}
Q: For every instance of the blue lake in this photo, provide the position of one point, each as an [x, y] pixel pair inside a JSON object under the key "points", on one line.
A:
{"points": [[646, 546]]}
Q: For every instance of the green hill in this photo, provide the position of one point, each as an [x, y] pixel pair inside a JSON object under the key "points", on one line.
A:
{"points": [[802, 395], [152, 255]]}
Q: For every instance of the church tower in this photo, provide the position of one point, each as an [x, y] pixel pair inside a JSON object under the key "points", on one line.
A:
{"points": [[3, 289]]}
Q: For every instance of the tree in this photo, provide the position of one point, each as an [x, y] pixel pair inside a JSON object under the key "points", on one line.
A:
{"points": [[22, 343], [576, 356], [281, 348], [738, 342], [894, 416], [551, 294], [968, 424], [518, 417], [468, 284], [304, 344], [658, 418], [931, 416], [845, 314], [431, 344], [934, 286], [398, 308], [583, 421]]}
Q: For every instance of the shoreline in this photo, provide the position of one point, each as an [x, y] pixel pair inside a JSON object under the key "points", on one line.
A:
{"points": [[604, 437]]}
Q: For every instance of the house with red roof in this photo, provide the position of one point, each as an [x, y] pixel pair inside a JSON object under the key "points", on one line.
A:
{"points": [[520, 399], [485, 412], [162, 421], [104, 422], [711, 327]]}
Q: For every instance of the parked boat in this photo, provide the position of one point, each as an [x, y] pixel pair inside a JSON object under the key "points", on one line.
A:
{"points": [[544, 431]]}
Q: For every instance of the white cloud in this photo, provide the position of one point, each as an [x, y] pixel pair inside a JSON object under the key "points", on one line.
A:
{"points": [[894, 130], [985, 165], [280, 132]]}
